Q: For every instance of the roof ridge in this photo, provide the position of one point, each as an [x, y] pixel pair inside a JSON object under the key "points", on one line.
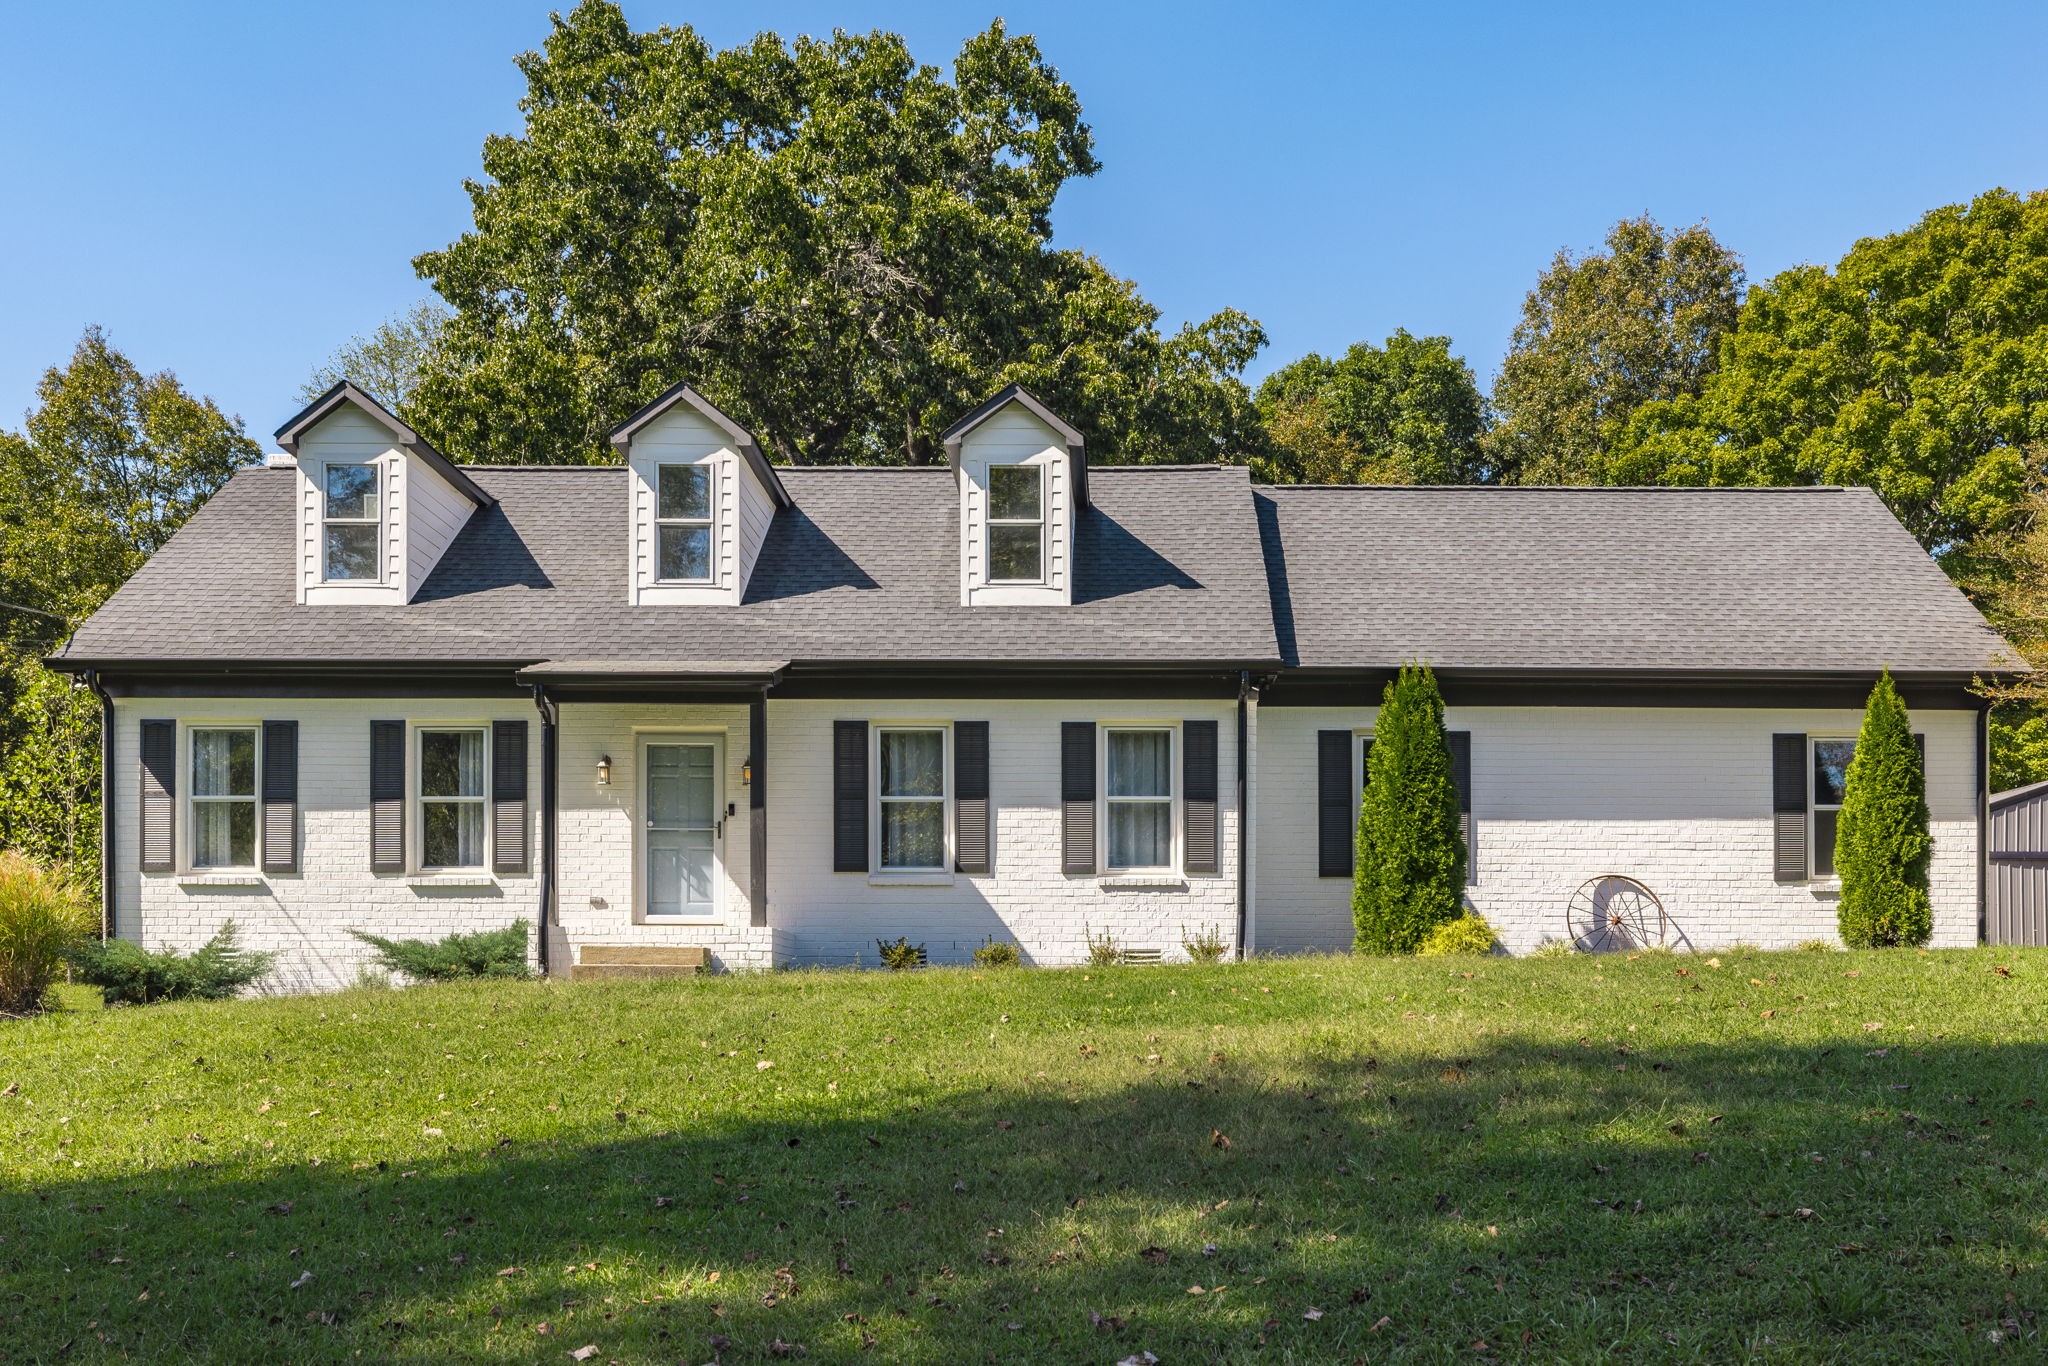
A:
{"points": [[1569, 488]]}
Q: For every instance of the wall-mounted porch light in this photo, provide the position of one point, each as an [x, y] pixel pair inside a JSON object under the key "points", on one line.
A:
{"points": [[604, 771], [746, 773]]}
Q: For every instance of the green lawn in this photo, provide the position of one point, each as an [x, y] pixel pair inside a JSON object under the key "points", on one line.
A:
{"points": [[1785, 1157]]}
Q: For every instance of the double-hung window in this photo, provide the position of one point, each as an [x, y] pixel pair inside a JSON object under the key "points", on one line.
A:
{"points": [[1830, 780], [1138, 791], [1016, 523], [683, 524], [912, 797], [350, 518], [224, 797], [451, 798]]}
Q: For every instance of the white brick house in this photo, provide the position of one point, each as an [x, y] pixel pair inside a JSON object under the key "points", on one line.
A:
{"points": [[695, 700]]}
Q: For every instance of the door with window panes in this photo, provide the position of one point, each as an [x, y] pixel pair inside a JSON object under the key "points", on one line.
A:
{"points": [[683, 827]]}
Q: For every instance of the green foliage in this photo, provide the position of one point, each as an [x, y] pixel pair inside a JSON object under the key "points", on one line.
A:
{"points": [[1408, 413], [2019, 746], [901, 955], [1468, 934], [839, 246], [388, 362], [484, 953], [1882, 843], [44, 913], [50, 768], [1410, 871], [1600, 336], [1554, 948], [1204, 946], [1104, 952], [997, 953], [215, 971], [1916, 366]]}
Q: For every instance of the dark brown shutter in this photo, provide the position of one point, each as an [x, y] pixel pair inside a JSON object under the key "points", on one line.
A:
{"points": [[1077, 796], [508, 796], [1198, 793], [158, 834], [1335, 833], [970, 796], [280, 796], [1788, 806], [1460, 742], [849, 796], [387, 796]]}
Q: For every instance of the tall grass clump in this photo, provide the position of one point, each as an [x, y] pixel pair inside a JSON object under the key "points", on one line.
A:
{"points": [[44, 913]]}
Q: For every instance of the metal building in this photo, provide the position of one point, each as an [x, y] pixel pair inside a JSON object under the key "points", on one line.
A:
{"points": [[2016, 899]]}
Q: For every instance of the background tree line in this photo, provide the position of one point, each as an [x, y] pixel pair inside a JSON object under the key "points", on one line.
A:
{"points": [[846, 249]]}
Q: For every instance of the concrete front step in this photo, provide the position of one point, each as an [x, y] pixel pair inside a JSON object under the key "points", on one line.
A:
{"points": [[644, 955], [616, 972]]}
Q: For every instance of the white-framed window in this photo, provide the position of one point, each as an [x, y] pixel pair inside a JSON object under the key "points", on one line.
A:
{"points": [[351, 522], [450, 796], [684, 526], [223, 799], [1830, 763], [1138, 796], [1016, 523], [911, 775]]}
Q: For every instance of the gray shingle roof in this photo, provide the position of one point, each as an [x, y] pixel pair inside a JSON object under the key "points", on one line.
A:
{"points": [[1709, 580], [865, 568]]}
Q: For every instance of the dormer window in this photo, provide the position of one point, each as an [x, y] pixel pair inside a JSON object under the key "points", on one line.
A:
{"points": [[349, 523], [1016, 523], [683, 523]]}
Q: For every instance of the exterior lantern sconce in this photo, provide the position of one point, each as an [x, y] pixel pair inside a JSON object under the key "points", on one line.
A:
{"points": [[604, 771], [746, 773]]}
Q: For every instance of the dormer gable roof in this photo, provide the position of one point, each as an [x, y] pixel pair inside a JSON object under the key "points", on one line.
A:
{"points": [[1025, 399], [345, 392], [742, 439]]}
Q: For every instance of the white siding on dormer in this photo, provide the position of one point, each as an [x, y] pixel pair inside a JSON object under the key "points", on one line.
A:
{"points": [[434, 512], [757, 510], [682, 436], [1014, 437], [350, 437]]}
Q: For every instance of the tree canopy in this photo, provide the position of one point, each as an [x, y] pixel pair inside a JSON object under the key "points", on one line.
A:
{"points": [[388, 362], [1600, 336], [838, 245], [1406, 413]]}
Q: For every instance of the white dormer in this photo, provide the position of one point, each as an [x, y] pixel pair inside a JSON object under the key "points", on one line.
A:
{"points": [[1023, 479], [377, 505], [702, 496]]}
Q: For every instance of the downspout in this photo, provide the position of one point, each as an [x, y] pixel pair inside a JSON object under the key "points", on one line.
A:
{"points": [[1244, 815], [1983, 817], [107, 803], [550, 714]]}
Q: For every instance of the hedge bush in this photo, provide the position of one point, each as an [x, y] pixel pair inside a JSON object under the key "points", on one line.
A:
{"points": [[1466, 934], [129, 974], [486, 953], [1410, 873], [1882, 844], [44, 913]]}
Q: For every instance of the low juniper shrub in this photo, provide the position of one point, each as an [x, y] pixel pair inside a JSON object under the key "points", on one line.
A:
{"points": [[128, 974], [997, 953], [900, 955], [486, 953]]}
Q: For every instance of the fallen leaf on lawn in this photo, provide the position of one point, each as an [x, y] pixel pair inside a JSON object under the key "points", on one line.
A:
{"points": [[1312, 1314], [1677, 1126], [543, 1328], [1870, 1026], [763, 1065], [1154, 1254], [513, 1271], [305, 1279], [1208, 1249], [1713, 962], [584, 1353], [2002, 970], [430, 1131], [1087, 1050], [1218, 1139], [1139, 1359], [1384, 1321], [13, 1089], [1196, 1290], [1803, 1212], [1768, 1013]]}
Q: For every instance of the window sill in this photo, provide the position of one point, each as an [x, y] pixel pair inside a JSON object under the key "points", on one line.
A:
{"points": [[450, 880], [933, 878], [1166, 882], [221, 880], [1825, 886]]}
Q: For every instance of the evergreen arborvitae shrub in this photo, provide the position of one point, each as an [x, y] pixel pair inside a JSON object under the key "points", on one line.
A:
{"points": [[1410, 872], [487, 953], [1881, 842]]}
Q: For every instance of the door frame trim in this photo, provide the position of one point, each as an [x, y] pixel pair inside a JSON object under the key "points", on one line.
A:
{"points": [[642, 870]]}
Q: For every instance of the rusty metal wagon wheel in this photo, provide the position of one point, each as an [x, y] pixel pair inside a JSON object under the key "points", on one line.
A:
{"points": [[1611, 914]]}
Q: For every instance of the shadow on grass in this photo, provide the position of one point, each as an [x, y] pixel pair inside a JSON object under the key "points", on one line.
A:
{"points": [[1731, 1202]]}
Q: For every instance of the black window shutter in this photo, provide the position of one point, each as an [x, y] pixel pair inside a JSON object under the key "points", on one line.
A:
{"points": [[1077, 796], [1335, 834], [1788, 806], [387, 796], [1198, 793], [849, 796], [159, 796], [970, 796], [280, 796], [1461, 774], [508, 796]]}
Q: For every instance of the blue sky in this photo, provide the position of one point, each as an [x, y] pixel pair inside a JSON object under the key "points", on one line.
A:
{"points": [[234, 189]]}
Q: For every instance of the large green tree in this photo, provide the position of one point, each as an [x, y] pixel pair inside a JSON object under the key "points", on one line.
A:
{"points": [[1405, 413], [1410, 872], [840, 246], [389, 361], [1882, 844], [1600, 336], [111, 462], [1918, 365]]}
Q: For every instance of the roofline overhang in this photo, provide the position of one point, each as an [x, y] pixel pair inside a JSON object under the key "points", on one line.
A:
{"points": [[342, 391], [742, 439], [1016, 393]]}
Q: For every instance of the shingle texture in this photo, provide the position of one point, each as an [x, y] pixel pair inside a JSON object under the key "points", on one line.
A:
{"points": [[1709, 580], [865, 567]]}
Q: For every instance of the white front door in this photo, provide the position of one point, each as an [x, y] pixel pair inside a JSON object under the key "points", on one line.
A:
{"points": [[682, 828]]}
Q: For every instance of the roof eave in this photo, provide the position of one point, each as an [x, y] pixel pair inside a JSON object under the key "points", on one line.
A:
{"points": [[1016, 393], [343, 391], [742, 439]]}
